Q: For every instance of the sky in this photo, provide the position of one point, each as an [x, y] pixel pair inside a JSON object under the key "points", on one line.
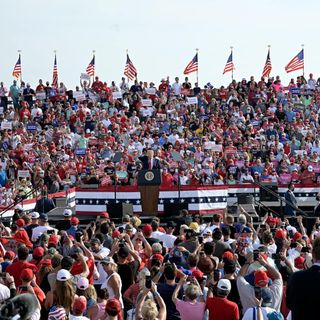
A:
{"points": [[161, 37]]}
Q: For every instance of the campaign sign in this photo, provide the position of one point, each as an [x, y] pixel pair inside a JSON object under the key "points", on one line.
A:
{"points": [[31, 127], [146, 102], [295, 90], [192, 100], [41, 96], [80, 152], [6, 125], [151, 91], [85, 76], [117, 95]]}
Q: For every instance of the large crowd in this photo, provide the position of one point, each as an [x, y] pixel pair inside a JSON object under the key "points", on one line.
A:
{"points": [[184, 269], [54, 138], [248, 131]]}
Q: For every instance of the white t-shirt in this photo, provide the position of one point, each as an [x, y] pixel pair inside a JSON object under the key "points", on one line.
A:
{"points": [[102, 274], [78, 317], [38, 231], [250, 313], [4, 292]]}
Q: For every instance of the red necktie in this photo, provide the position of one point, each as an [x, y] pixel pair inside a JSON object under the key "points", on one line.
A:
{"points": [[150, 166]]}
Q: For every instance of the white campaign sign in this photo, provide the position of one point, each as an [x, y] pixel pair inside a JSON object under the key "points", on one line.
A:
{"points": [[192, 100], [146, 102], [6, 125], [85, 76], [79, 96], [117, 95], [41, 95], [151, 91], [23, 173]]}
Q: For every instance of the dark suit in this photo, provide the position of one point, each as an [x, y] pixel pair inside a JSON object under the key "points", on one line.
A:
{"points": [[145, 163], [303, 294], [290, 197]]}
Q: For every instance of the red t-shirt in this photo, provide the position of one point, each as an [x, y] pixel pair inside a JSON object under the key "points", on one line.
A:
{"points": [[77, 269], [16, 268], [222, 309]]}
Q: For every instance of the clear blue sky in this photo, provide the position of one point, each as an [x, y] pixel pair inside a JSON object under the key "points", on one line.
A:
{"points": [[161, 37]]}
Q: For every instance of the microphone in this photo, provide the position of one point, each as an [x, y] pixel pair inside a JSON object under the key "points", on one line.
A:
{"points": [[21, 307]]}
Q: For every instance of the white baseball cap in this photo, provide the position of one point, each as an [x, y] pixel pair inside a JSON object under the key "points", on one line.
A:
{"points": [[63, 275], [310, 168], [83, 283], [67, 213], [35, 215], [224, 284]]}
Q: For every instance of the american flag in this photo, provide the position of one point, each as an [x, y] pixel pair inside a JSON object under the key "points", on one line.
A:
{"points": [[267, 67], [130, 70], [55, 73], [91, 67], [229, 65], [192, 66], [296, 63], [17, 68]]}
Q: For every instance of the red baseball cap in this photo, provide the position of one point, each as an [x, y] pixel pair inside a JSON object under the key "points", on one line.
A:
{"points": [[229, 255], [260, 278], [297, 236], [74, 221], [280, 234], [147, 229], [20, 223], [104, 215], [38, 252], [116, 234], [299, 262], [197, 274], [26, 275], [9, 255], [46, 263], [53, 240], [80, 304]]}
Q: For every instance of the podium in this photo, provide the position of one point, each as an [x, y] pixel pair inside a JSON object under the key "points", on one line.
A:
{"points": [[148, 184]]}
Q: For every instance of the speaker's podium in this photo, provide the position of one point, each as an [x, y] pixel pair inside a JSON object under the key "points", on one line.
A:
{"points": [[148, 183]]}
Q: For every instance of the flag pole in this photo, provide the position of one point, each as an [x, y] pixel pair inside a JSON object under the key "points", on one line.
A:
{"points": [[302, 46], [94, 67], [127, 51], [197, 50], [232, 62], [19, 51]]}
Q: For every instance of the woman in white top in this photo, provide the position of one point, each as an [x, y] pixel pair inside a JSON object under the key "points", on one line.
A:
{"points": [[113, 282]]}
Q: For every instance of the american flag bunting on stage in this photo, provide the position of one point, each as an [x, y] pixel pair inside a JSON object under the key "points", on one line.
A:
{"points": [[130, 70], [17, 68], [296, 63], [267, 67], [55, 73], [192, 66], [91, 67], [229, 65]]}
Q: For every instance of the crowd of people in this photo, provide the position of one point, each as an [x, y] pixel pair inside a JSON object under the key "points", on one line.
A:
{"points": [[248, 131], [184, 269]]}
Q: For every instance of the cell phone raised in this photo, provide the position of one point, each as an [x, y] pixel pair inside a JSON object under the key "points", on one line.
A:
{"points": [[148, 282]]}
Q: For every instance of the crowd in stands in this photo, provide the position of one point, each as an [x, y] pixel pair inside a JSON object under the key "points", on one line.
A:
{"points": [[182, 269], [252, 130]]}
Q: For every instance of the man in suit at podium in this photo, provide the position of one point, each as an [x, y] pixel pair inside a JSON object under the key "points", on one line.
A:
{"points": [[149, 162], [303, 289]]}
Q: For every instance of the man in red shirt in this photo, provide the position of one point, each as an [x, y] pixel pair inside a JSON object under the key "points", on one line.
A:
{"points": [[220, 308], [17, 267]]}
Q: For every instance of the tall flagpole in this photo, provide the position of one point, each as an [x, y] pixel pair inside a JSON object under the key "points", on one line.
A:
{"points": [[302, 46], [197, 50], [94, 68], [19, 51], [232, 63]]}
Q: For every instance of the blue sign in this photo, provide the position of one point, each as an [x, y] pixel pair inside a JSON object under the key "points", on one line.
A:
{"points": [[295, 90], [32, 127], [80, 152]]}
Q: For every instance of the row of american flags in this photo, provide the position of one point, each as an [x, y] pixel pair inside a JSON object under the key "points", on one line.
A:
{"points": [[130, 71]]}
